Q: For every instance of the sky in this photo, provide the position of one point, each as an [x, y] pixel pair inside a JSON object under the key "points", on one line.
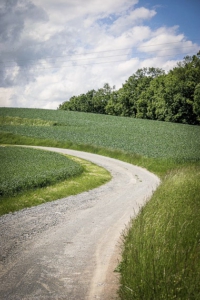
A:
{"points": [[51, 50]]}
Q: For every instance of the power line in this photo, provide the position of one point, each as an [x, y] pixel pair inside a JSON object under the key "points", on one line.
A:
{"points": [[73, 60], [1, 62], [108, 62], [40, 43], [111, 50], [100, 57]]}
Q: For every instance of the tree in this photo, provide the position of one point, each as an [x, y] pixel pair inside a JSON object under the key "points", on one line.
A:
{"points": [[149, 93], [180, 86], [113, 106], [156, 104], [101, 98], [196, 106]]}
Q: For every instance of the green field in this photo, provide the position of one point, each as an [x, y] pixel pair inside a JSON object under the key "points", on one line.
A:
{"points": [[22, 169], [160, 251], [147, 138], [91, 177]]}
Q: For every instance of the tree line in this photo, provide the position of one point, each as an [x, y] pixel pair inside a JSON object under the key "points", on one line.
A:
{"points": [[149, 93]]}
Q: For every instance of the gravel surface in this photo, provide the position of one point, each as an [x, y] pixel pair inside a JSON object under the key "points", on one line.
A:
{"points": [[68, 249]]}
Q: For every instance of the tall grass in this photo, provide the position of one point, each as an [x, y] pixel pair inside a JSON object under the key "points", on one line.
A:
{"points": [[161, 255]]}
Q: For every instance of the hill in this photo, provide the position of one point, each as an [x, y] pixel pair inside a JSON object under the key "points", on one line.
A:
{"points": [[136, 136]]}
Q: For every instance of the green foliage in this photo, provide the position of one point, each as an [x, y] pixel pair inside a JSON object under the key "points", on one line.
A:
{"points": [[161, 257], [92, 101], [144, 137], [23, 169], [197, 101], [149, 94]]}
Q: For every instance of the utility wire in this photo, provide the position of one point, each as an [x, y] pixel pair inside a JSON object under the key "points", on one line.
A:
{"points": [[134, 53], [193, 39], [111, 50], [108, 62], [95, 58]]}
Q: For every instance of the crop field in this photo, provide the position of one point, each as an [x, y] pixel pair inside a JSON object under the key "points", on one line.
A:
{"points": [[23, 169], [160, 251], [147, 138]]}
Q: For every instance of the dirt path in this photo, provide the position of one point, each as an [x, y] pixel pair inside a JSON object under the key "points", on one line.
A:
{"points": [[68, 249]]}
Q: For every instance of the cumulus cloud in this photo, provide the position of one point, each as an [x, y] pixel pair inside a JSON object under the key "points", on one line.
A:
{"points": [[166, 42], [127, 21], [51, 50]]}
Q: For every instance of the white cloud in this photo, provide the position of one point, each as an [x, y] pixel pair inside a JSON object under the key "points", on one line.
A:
{"points": [[62, 11], [66, 47], [126, 22], [165, 42], [5, 97]]}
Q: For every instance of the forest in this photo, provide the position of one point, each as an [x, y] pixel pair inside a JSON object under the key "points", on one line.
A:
{"points": [[150, 93]]}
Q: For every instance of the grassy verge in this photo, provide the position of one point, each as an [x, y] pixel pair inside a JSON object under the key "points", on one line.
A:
{"points": [[92, 177], [161, 254]]}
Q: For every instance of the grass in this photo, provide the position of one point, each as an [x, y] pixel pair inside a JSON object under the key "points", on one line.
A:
{"points": [[92, 177], [24, 168], [6, 120], [148, 138], [160, 255], [158, 166]]}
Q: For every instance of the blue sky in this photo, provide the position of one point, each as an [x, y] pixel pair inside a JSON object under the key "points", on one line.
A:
{"points": [[184, 13], [51, 50]]}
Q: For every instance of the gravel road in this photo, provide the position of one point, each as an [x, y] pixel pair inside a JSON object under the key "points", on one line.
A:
{"points": [[68, 249]]}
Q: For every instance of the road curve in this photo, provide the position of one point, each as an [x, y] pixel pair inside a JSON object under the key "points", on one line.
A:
{"points": [[66, 249]]}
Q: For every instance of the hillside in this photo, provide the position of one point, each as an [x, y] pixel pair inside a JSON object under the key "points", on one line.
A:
{"points": [[160, 257], [144, 137]]}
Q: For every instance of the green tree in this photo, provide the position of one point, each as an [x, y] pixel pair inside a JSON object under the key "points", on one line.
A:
{"points": [[149, 93], [156, 104], [101, 98], [113, 106], [196, 105], [180, 87]]}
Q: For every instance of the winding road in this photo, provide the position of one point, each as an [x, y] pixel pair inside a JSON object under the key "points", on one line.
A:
{"points": [[68, 249]]}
